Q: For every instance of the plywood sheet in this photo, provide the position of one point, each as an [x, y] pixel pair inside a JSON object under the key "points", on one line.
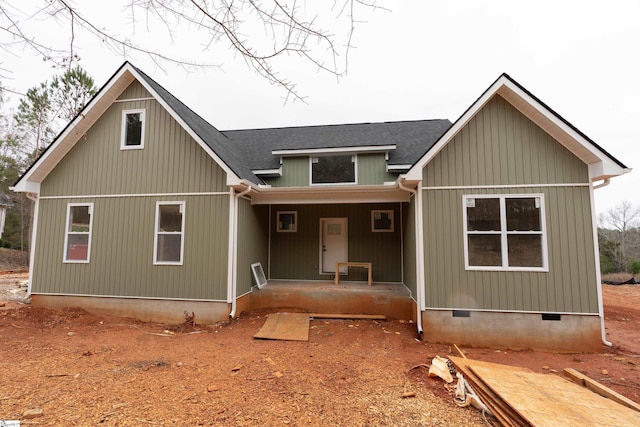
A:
{"points": [[544, 399], [285, 326]]}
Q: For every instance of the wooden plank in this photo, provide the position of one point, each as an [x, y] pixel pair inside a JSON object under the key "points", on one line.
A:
{"points": [[545, 399], [285, 326], [501, 410], [600, 389], [348, 316]]}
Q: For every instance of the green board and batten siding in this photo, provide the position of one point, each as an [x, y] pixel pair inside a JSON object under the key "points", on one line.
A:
{"points": [[500, 146], [297, 255], [129, 183], [253, 242]]}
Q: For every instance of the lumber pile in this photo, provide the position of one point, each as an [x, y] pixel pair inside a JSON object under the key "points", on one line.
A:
{"points": [[520, 397]]}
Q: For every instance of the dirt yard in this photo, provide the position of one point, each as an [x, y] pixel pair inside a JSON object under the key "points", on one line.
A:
{"points": [[81, 369]]}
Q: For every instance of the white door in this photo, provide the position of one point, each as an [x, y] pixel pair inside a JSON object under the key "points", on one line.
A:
{"points": [[333, 243]]}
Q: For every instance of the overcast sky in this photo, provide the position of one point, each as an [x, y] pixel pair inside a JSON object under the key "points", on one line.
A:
{"points": [[420, 60]]}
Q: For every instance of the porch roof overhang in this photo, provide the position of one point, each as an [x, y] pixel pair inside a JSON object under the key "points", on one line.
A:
{"points": [[329, 194]]}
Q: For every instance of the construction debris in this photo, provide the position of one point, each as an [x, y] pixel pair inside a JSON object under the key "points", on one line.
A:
{"points": [[521, 397]]}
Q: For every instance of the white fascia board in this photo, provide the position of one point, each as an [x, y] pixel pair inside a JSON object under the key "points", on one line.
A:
{"points": [[335, 150], [557, 127], [605, 169], [268, 172], [232, 178], [398, 168], [77, 128], [26, 187], [536, 112]]}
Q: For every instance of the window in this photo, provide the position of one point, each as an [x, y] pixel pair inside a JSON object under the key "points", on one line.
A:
{"points": [[287, 222], [77, 239], [333, 170], [132, 130], [169, 235], [505, 232], [382, 221]]}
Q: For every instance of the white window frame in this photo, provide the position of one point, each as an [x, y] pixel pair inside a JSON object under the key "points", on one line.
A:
{"points": [[123, 130], [354, 160], [389, 212], [156, 233], [295, 222], [504, 233], [68, 232]]}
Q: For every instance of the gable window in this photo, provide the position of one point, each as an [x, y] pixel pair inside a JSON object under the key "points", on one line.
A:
{"points": [[333, 170], [169, 234], [132, 135], [505, 232], [77, 239]]}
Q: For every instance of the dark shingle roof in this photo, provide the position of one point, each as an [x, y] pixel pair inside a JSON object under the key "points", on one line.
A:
{"points": [[412, 140]]}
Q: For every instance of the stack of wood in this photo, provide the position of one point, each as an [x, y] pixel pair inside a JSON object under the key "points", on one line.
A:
{"points": [[521, 397]]}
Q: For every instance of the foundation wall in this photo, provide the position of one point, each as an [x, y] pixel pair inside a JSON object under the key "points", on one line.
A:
{"points": [[516, 331], [147, 310]]}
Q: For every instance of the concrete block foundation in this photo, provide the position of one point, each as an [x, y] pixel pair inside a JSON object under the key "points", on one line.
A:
{"points": [[517, 331]]}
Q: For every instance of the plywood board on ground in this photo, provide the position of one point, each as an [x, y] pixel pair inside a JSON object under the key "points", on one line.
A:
{"points": [[544, 399], [285, 326]]}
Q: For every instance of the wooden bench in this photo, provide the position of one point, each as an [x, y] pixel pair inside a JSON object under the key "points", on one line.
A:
{"points": [[366, 265]]}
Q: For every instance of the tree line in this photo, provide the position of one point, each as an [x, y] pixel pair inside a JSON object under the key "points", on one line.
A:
{"points": [[26, 132], [619, 239]]}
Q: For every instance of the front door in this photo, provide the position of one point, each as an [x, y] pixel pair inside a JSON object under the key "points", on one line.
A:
{"points": [[333, 243]]}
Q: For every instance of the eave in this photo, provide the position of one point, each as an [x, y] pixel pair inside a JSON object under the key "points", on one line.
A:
{"points": [[331, 194]]}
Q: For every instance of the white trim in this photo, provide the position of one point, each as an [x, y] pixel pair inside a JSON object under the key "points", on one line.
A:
{"points": [[485, 310], [267, 172], [127, 297], [79, 126], [541, 116], [107, 196], [504, 233], [123, 129], [398, 168], [157, 232], [149, 98], [68, 232], [497, 187], [335, 150]]}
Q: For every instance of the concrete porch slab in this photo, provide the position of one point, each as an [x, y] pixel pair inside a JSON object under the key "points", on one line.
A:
{"points": [[388, 299]]}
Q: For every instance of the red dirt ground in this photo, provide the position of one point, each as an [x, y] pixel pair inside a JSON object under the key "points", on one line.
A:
{"points": [[84, 369]]}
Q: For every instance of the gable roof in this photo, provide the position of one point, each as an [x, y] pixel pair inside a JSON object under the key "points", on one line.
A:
{"points": [[411, 138], [214, 139], [207, 136], [602, 165]]}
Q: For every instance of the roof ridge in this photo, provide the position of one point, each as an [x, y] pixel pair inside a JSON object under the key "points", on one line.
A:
{"points": [[334, 125]]}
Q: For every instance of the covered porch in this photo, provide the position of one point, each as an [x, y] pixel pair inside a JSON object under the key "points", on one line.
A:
{"points": [[389, 299]]}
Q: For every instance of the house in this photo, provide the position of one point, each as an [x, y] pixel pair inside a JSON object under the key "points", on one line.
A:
{"points": [[485, 226]]}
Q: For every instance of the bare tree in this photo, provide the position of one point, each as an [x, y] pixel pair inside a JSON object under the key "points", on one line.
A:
{"points": [[622, 222], [259, 31]]}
